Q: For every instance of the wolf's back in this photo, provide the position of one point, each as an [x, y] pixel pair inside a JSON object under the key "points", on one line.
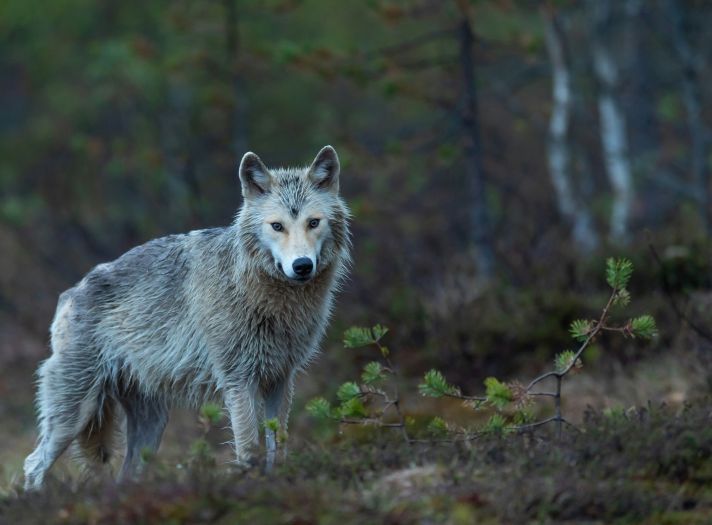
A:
{"points": [[136, 304]]}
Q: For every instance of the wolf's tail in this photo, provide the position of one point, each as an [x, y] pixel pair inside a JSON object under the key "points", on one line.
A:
{"points": [[95, 440]]}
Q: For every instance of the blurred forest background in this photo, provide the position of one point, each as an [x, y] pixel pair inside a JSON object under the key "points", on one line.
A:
{"points": [[494, 152]]}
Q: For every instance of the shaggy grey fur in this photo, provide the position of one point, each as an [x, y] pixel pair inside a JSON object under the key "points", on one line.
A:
{"points": [[188, 318]]}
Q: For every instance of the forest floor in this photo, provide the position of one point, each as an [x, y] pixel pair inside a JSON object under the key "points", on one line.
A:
{"points": [[644, 463]]}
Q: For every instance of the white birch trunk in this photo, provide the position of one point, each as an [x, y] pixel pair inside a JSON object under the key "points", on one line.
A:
{"points": [[612, 124], [575, 213]]}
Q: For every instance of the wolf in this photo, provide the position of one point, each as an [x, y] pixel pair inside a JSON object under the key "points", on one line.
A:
{"points": [[231, 313]]}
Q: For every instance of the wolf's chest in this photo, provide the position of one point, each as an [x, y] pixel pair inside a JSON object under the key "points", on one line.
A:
{"points": [[272, 343]]}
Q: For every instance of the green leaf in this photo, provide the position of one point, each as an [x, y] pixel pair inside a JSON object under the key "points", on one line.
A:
{"points": [[435, 385], [357, 337], [319, 408], [563, 360], [348, 391], [643, 326], [379, 331], [498, 393], [211, 412], [271, 424], [353, 408], [618, 272], [615, 413], [437, 427], [200, 448], [372, 373], [580, 329], [496, 424], [522, 417], [622, 297]]}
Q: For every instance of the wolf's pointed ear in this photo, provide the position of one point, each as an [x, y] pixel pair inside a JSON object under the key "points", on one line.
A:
{"points": [[324, 171], [255, 178]]}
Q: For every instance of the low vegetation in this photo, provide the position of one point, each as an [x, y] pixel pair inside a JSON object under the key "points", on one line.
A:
{"points": [[644, 465], [513, 464], [371, 403]]}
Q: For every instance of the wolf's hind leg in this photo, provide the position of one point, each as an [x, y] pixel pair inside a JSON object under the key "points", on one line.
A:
{"points": [[67, 400], [146, 419]]}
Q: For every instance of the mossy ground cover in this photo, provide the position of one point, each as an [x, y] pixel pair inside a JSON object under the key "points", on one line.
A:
{"points": [[647, 465]]}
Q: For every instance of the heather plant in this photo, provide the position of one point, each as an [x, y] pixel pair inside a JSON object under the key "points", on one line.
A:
{"points": [[511, 401]]}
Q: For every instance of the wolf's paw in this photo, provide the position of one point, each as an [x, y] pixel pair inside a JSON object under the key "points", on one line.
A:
{"points": [[245, 461]]}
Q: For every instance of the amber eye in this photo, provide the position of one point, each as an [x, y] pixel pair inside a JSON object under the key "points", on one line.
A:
{"points": [[313, 223], [277, 226]]}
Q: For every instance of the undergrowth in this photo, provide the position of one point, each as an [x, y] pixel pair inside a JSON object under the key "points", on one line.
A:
{"points": [[647, 465], [375, 400]]}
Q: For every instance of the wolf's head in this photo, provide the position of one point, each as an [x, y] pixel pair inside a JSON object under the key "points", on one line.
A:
{"points": [[293, 222]]}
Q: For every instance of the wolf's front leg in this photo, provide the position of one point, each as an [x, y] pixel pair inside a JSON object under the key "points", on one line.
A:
{"points": [[241, 404], [278, 403]]}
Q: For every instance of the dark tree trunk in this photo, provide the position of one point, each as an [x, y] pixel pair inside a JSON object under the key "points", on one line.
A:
{"points": [[699, 134], [480, 217], [639, 94]]}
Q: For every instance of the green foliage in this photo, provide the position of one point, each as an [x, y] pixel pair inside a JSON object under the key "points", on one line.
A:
{"points": [[353, 407], [348, 391], [211, 413], [614, 413], [200, 449], [319, 408], [643, 327], [618, 272], [669, 107], [563, 360], [437, 427], [271, 424], [498, 394], [435, 385], [379, 331], [372, 373], [147, 454], [496, 424], [357, 337], [580, 329], [522, 417], [621, 298]]}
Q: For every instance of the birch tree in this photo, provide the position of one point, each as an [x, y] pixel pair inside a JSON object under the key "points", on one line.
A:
{"points": [[574, 212], [612, 121]]}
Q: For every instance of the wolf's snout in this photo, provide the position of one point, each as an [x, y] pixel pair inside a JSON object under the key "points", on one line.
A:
{"points": [[303, 266]]}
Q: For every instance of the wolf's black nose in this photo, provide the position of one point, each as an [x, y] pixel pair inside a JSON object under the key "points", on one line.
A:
{"points": [[302, 266]]}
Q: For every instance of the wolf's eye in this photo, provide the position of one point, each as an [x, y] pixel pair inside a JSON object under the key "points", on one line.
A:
{"points": [[313, 223], [277, 226]]}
